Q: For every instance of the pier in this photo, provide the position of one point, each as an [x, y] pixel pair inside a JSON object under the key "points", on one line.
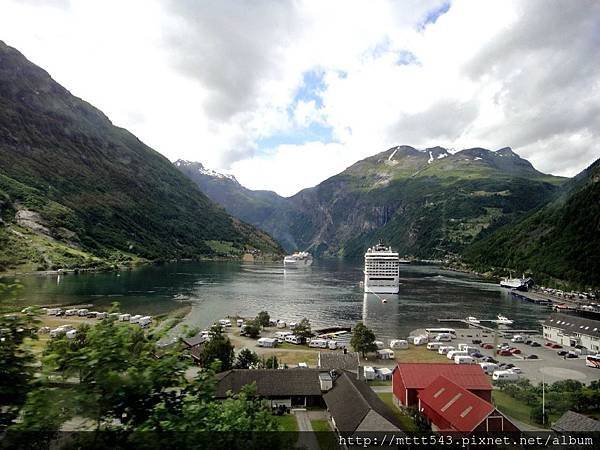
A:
{"points": [[488, 329]]}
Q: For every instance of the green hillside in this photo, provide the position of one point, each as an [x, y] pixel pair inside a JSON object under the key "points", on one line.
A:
{"points": [[559, 242], [74, 188]]}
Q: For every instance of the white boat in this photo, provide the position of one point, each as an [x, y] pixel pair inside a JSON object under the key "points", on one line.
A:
{"points": [[520, 284], [503, 320], [298, 259], [382, 272], [472, 319]]}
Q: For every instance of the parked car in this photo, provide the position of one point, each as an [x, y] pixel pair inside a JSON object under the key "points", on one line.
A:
{"points": [[528, 342], [509, 365], [562, 352], [516, 370], [504, 352], [572, 355], [536, 344], [476, 341], [503, 345], [548, 344], [489, 359], [556, 346], [477, 355], [531, 357], [487, 346], [514, 351]]}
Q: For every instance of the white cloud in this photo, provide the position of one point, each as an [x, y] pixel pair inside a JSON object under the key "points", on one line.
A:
{"points": [[213, 80]]}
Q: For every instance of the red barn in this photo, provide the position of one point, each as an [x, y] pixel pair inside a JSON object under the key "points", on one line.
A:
{"points": [[451, 407], [408, 379]]}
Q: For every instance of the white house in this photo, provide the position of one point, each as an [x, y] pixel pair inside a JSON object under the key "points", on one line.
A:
{"points": [[570, 331]]}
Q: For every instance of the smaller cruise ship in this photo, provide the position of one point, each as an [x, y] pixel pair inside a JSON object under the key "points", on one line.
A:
{"points": [[298, 259], [520, 284], [472, 319]]}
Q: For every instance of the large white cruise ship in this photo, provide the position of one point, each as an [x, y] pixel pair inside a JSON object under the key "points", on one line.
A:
{"points": [[382, 273], [298, 259]]}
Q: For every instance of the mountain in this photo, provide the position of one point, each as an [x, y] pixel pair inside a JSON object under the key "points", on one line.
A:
{"points": [[558, 242], [77, 191], [426, 203]]}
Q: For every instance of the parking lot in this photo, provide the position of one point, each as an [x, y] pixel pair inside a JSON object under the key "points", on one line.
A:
{"points": [[549, 366]]}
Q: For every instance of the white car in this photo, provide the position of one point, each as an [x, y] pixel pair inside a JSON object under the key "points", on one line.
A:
{"points": [[516, 370]]}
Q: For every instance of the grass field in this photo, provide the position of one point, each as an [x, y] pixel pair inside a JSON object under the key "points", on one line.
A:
{"points": [[419, 354], [406, 422], [517, 409], [325, 438], [287, 422]]}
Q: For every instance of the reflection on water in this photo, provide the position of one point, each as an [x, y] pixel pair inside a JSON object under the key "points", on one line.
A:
{"points": [[327, 293]]}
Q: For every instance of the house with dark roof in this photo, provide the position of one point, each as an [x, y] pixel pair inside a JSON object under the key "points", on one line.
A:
{"points": [[354, 407], [409, 379], [289, 387], [194, 346], [451, 407], [570, 331], [339, 361], [572, 422]]}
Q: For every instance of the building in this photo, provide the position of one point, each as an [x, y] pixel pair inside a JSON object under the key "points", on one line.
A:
{"points": [[570, 331], [290, 388], [408, 379], [572, 422], [339, 361], [451, 407], [354, 407], [194, 346]]}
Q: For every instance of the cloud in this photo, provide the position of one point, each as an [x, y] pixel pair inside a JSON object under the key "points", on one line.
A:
{"points": [[301, 89]]}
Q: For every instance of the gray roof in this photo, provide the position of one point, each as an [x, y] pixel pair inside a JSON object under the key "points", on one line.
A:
{"points": [[574, 422], [194, 341], [354, 406], [339, 360], [574, 324], [270, 382]]}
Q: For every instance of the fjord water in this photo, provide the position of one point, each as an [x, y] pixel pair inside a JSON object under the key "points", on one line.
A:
{"points": [[327, 293]]}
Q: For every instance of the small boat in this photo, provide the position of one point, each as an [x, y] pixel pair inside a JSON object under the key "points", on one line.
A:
{"points": [[472, 319], [503, 320]]}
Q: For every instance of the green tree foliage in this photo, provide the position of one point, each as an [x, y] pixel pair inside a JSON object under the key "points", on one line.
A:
{"points": [[16, 363], [246, 359], [303, 330], [263, 318], [218, 348], [271, 362], [363, 339], [252, 329]]}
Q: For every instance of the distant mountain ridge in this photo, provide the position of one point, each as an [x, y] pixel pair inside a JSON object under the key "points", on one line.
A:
{"points": [[426, 203], [77, 191]]}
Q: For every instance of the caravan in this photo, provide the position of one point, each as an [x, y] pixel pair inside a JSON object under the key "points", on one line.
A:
{"points": [[399, 344], [459, 359], [434, 345], [318, 343], [293, 339]]}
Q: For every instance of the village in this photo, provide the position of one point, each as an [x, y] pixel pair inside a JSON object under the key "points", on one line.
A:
{"points": [[437, 379]]}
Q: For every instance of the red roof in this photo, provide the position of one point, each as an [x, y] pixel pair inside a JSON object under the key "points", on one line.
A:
{"points": [[459, 407], [420, 375]]}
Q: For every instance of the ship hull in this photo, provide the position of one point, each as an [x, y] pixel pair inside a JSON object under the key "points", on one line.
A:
{"points": [[297, 264]]}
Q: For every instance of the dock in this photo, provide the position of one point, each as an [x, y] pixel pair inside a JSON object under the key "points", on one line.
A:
{"points": [[488, 329]]}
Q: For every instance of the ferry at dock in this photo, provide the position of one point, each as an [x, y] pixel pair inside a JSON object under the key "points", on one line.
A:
{"points": [[382, 270]]}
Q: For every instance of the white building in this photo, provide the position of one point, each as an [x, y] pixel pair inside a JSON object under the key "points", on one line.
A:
{"points": [[570, 331]]}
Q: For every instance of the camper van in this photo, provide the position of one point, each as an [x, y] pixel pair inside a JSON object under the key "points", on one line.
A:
{"points": [[124, 317], [505, 375], [318, 343], [444, 349], [280, 335], [71, 312], [379, 344], [83, 312], [267, 342], [385, 353], [281, 324], [53, 311], [399, 344], [443, 337], [135, 319], [489, 368], [145, 321], [225, 322], [332, 345], [518, 338], [459, 359], [420, 340], [369, 373], [293, 339], [452, 353], [239, 322], [434, 345]]}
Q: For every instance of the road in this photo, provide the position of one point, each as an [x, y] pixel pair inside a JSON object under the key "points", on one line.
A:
{"points": [[306, 437]]}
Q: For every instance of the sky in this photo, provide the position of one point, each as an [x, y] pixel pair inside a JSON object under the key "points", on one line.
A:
{"points": [[284, 94]]}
